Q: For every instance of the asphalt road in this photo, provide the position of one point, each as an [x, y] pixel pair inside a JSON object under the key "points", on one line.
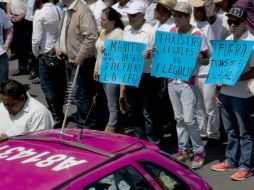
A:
{"points": [[218, 180]]}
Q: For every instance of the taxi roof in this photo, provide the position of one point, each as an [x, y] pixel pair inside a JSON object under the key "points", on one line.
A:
{"points": [[43, 160]]}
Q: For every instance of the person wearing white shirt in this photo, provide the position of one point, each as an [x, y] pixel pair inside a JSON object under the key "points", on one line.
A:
{"points": [[46, 23], [121, 6], [149, 16], [207, 110], [20, 113], [96, 6], [163, 15], [142, 100], [235, 106], [183, 94]]}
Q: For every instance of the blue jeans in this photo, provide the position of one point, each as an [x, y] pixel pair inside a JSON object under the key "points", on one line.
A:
{"points": [[52, 79], [235, 113], [86, 88], [141, 103], [184, 102], [4, 67]]}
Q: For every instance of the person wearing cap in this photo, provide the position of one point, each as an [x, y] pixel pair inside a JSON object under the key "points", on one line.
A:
{"points": [[235, 104], [142, 100], [183, 94], [207, 110], [163, 15]]}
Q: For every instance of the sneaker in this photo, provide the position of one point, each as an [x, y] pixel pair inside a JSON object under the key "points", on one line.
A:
{"points": [[182, 155], [222, 167], [198, 160], [241, 174]]}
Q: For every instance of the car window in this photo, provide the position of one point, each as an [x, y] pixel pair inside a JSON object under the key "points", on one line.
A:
{"points": [[166, 179], [125, 179]]}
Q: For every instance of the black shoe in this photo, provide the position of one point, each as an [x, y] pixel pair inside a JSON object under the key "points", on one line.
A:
{"points": [[19, 72], [211, 143], [13, 57]]}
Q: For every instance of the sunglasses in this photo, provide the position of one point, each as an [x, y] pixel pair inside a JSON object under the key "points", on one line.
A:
{"points": [[235, 22]]}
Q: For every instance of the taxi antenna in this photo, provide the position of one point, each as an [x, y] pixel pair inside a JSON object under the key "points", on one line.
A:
{"points": [[80, 136], [71, 90]]}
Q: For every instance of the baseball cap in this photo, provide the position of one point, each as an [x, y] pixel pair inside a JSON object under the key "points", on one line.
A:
{"points": [[183, 7], [169, 4], [238, 12], [136, 7]]}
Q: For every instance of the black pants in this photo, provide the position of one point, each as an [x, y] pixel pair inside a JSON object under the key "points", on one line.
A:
{"points": [[20, 44]]}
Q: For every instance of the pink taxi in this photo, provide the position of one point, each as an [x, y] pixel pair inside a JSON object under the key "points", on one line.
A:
{"points": [[98, 161]]}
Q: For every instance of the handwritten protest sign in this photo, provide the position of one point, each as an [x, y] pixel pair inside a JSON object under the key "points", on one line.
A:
{"points": [[122, 62], [175, 55], [229, 58]]}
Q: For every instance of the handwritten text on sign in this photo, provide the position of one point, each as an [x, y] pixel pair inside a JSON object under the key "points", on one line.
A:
{"points": [[122, 62], [229, 58], [175, 55]]}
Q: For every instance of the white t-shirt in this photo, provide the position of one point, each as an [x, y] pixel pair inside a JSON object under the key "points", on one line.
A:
{"points": [[45, 28], [149, 16], [33, 117], [4, 24], [18, 7], [240, 90], [96, 9], [225, 28], [29, 10], [165, 27], [122, 10], [211, 32], [144, 35]]}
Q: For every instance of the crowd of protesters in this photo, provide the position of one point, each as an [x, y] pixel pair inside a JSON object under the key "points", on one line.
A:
{"points": [[75, 31]]}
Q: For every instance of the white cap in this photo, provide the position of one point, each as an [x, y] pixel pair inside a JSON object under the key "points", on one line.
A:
{"points": [[136, 7]]}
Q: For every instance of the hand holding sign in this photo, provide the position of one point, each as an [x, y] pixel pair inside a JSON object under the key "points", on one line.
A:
{"points": [[229, 59], [175, 55]]}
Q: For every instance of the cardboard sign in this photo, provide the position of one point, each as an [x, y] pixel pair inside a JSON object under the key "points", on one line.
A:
{"points": [[122, 62], [229, 58], [175, 55]]}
